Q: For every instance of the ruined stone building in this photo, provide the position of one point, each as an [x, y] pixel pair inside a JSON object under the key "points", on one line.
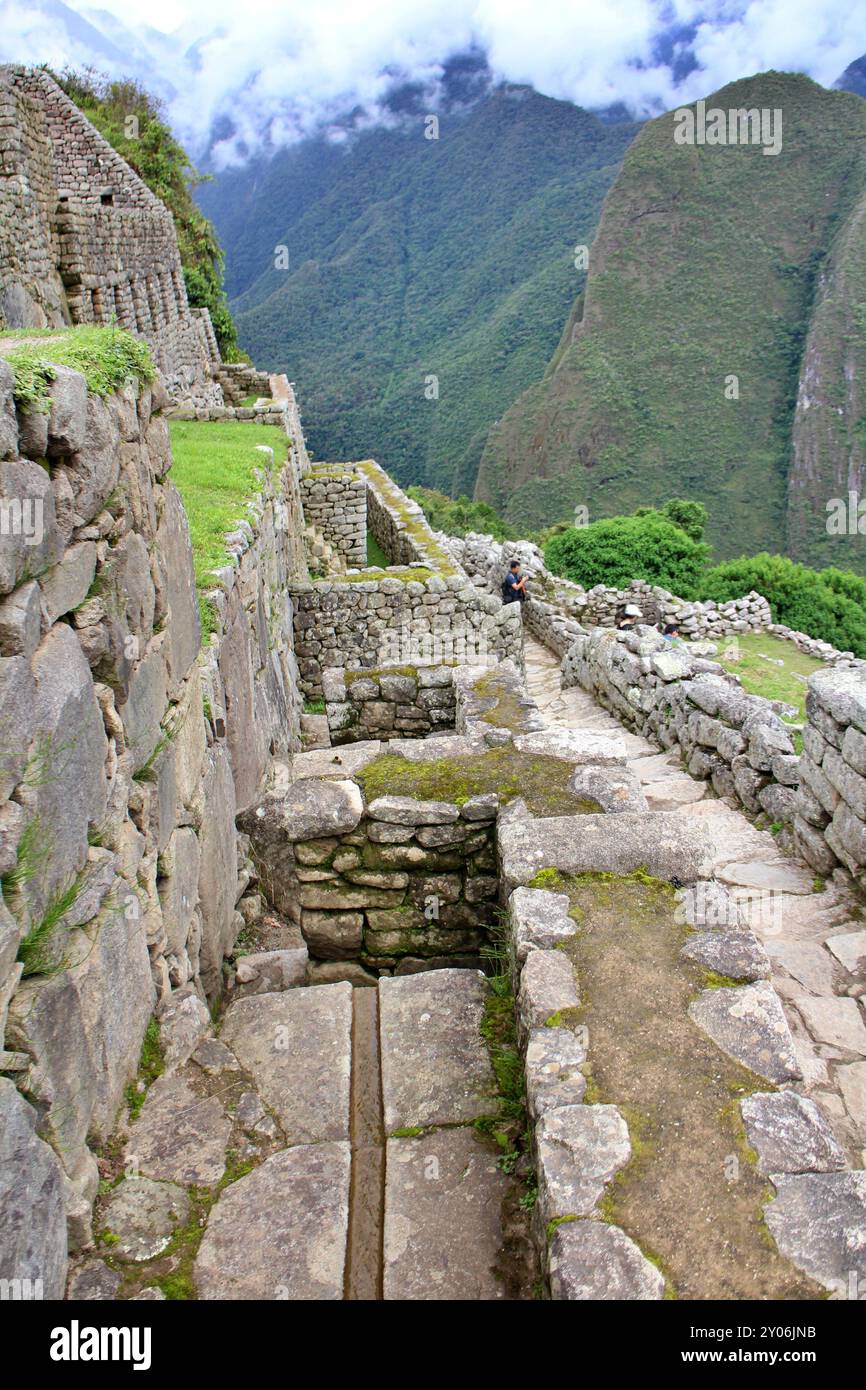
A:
{"points": [[84, 240]]}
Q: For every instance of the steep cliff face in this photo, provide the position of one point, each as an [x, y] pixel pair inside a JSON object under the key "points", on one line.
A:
{"points": [[678, 369], [828, 448]]}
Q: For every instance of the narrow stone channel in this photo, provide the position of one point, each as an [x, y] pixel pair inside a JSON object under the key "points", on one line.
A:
{"points": [[367, 1136]]}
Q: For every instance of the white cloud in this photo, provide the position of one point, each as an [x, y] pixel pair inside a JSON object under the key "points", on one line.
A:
{"points": [[277, 69]]}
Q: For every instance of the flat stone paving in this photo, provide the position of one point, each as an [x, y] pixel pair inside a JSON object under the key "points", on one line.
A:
{"points": [[818, 977], [443, 1206], [297, 1046], [435, 1066]]}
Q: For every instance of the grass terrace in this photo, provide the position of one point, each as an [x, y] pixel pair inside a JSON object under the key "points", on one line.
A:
{"points": [[108, 359], [770, 666], [215, 464]]}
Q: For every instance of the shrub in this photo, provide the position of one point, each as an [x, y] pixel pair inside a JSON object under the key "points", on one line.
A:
{"points": [[614, 551], [827, 604], [458, 516]]}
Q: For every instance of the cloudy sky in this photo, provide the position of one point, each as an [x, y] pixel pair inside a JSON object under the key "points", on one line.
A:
{"points": [[279, 68]]}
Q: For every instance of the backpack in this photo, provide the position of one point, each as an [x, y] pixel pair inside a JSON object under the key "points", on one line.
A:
{"points": [[508, 594]]}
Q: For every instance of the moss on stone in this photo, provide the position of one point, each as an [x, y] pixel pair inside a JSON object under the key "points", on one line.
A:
{"points": [[506, 710], [541, 780]]}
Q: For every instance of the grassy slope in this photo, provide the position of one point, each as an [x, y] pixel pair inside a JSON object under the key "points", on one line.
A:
{"points": [[704, 265], [410, 257]]}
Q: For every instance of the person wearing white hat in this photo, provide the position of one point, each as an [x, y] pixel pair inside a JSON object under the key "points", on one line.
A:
{"points": [[628, 617]]}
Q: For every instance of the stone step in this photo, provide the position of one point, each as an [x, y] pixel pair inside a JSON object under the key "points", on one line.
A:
{"points": [[435, 1065]]}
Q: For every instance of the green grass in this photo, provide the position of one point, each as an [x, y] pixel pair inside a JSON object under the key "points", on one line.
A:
{"points": [[150, 1066], [108, 358], [761, 676], [214, 470], [375, 553]]}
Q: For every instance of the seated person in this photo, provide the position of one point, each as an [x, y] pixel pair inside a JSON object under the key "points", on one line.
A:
{"points": [[628, 617]]}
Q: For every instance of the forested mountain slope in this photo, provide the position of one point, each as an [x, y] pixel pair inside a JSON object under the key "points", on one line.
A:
{"points": [[411, 258], [710, 263]]}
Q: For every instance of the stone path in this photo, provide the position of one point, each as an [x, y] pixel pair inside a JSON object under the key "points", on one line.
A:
{"points": [[816, 941], [323, 1148]]}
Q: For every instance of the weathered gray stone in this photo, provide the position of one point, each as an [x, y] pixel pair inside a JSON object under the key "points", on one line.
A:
{"points": [[67, 583], [214, 1057], [67, 418], [481, 808], [573, 746], [94, 470], [442, 1237], [178, 1137], [330, 972], [21, 621], [68, 790], [308, 810], [666, 845], [266, 972], [280, 1232], [671, 665], [435, 1064], [404, 810], [849, 948], [143, 710], [45, 1020], [32, 540], [538, 920], [547, 986], [738, 954], [590, 1260], [789, 1134], [94, 1281], [174, 555], [144, 1215], [580, 1148], [333, 935], [554, 1057], [837, 1022], [178, 886], [183, 1022], [32, 1215], [817, 1221], [748, 1024], [297, 1046], [217, 882], [614, 789], [707, 905]]}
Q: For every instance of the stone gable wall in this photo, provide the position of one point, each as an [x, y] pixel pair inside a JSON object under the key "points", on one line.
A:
{"points": [[84, 240]]}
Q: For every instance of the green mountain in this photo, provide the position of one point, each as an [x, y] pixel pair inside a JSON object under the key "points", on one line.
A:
{"points": [[411, 258], [724, 285]]}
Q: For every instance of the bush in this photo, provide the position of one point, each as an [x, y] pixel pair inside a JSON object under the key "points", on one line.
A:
{"points": [[615, 551], [827, 604]]}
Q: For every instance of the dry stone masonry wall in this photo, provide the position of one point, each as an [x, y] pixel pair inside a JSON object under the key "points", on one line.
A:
{"points": [[335, 503], [83, 240], [126, 753], [732, 739]]}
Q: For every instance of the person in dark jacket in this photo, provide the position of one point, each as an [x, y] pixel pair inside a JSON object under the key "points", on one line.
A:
{"points": [[514, 584]]}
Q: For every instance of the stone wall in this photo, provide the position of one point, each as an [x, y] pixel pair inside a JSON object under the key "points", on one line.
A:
{"points": [[335, 503], [83, 239], [126, 753], [736, 741], [423, 611], [388, 702], [830, 820]]}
